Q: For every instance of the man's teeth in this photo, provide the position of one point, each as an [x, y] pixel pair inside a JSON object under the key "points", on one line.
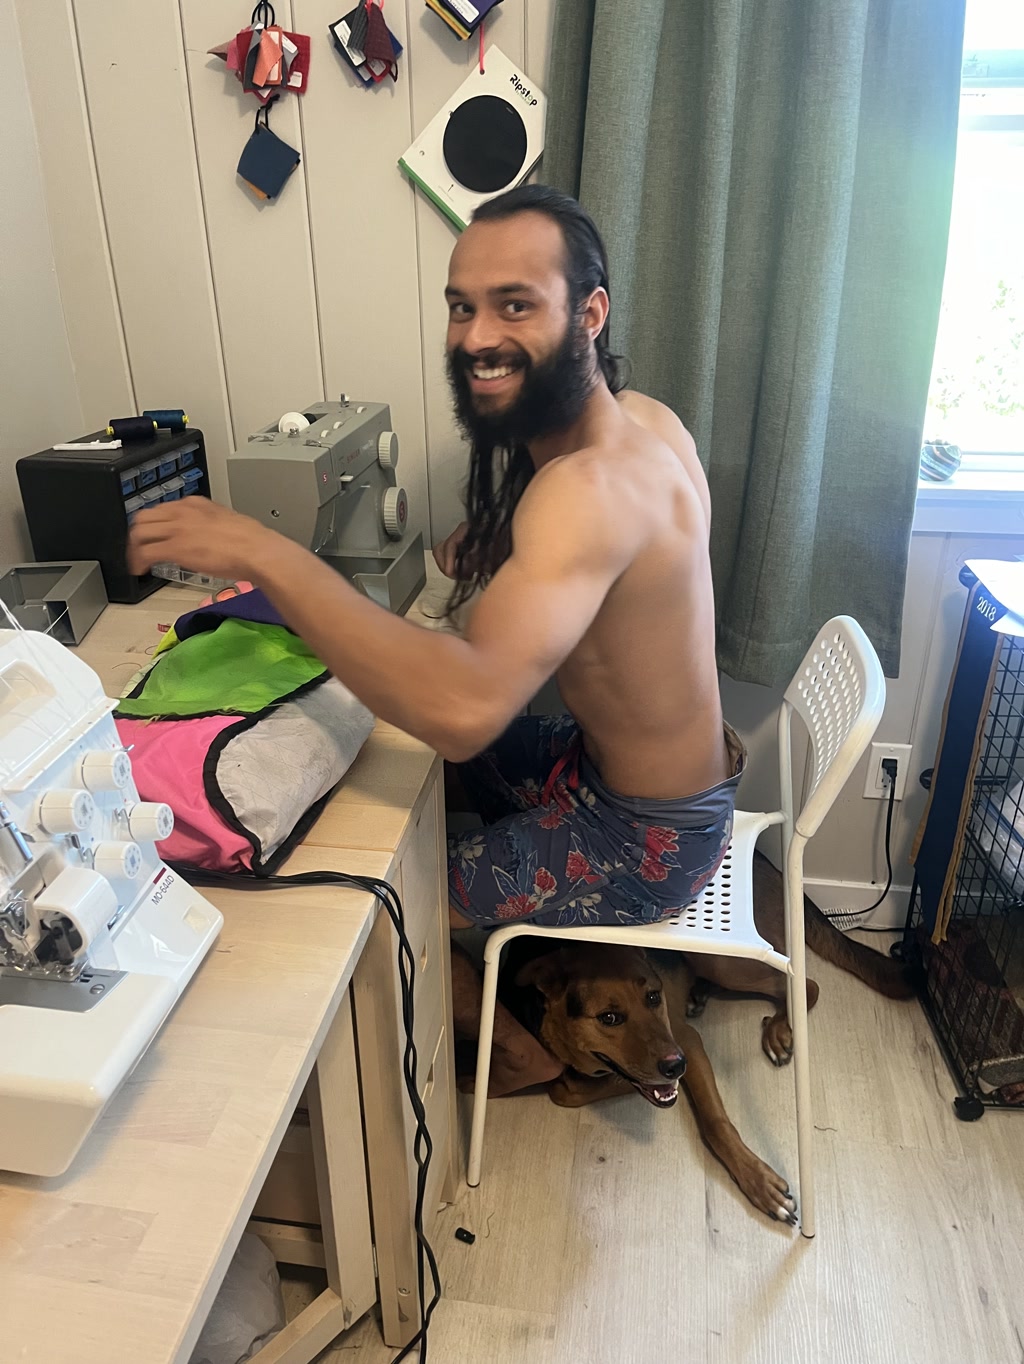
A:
{"points": [[502, 372]]}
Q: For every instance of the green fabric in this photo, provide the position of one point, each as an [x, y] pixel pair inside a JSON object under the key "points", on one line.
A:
{"points": [[773, 181], [237, 669]]}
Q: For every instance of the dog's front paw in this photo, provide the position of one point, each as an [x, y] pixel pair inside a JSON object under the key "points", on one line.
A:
{"points": [[768, 1191], [777, 1040]]}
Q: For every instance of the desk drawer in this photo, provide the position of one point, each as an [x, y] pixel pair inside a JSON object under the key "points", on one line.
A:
{"points": [[289, 1193]]}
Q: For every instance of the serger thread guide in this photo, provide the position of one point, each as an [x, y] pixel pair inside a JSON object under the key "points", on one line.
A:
{"points": [[98, 938]]}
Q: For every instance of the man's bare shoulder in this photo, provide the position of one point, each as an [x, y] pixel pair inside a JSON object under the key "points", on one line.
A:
{"points": [[575, 510], [654, 415], [581, 484], [662, 422]]}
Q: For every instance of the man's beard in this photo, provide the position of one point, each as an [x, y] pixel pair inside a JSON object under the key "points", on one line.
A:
{"points": [[552, 395]]}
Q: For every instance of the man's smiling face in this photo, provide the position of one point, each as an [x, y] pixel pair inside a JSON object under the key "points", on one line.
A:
{"points": [[520, 365]]}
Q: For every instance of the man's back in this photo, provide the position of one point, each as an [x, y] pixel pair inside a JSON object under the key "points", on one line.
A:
{"points": [[642, 682]]}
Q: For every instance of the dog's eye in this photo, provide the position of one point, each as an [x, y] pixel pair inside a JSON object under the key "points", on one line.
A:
{"points": [[610, 1019], [653, 999]]}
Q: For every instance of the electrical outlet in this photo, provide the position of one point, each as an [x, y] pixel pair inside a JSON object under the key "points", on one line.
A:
{"points": [[877, 785]]}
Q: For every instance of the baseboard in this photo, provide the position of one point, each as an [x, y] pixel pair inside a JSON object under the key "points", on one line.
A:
{"points": [[850, 896]]}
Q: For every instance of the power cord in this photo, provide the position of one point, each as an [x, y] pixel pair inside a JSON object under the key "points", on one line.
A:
{"points": [[423, 1146], [889, 767]]}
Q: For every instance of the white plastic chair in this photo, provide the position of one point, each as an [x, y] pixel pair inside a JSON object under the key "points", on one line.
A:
{"points": [[839, 693]]}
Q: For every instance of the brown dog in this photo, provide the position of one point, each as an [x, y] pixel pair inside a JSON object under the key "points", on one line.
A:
{"points": [[617, 1019]]}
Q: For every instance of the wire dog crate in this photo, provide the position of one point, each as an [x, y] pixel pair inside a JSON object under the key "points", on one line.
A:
{"points": [[967, 940]]}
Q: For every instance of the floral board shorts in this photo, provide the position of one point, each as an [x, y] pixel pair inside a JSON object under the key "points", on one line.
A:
{"points": [[561, 849]]}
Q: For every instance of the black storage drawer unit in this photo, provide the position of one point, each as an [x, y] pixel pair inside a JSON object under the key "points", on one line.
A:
{"points": [[78, 503]]}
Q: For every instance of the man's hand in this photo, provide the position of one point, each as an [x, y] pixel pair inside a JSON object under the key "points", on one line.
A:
{"points": [[199, 535], [445, 552]]}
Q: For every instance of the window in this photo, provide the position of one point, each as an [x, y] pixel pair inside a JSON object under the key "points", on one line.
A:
{"points": [[977, 391]]}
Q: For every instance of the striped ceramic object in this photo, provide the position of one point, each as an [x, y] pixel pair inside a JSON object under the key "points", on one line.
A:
{"points": [[939, 460]]}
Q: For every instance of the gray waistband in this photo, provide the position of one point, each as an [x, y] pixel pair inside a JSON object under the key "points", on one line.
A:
{"points": [[688, 812]]}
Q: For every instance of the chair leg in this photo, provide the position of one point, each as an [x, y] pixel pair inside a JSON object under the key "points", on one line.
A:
{"points": [[804, 1123], [483, 1066]]}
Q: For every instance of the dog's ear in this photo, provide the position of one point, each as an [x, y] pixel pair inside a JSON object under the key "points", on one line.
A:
{"points": [[546, 974]]}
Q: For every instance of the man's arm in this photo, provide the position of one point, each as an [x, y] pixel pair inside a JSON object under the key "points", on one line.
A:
{"points": [[455, 694]]}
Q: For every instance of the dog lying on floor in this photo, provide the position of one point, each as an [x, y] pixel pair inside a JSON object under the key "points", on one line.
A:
{"points": [[617, 1017]]}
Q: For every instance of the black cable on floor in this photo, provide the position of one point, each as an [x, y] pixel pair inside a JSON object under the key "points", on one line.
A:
{"points": [[857, 913], [423, 1147]]}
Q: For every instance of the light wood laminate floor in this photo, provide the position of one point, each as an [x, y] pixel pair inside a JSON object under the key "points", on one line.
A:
{"points": [[608, 1235]]}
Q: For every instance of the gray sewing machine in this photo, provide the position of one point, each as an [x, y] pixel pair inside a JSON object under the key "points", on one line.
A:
{"points": [[325, 477]]}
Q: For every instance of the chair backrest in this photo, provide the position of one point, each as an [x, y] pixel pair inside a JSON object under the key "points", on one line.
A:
{"points": [[839, 693]]}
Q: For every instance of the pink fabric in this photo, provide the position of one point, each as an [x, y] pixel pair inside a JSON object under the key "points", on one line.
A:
{"points": [[167, 759]]}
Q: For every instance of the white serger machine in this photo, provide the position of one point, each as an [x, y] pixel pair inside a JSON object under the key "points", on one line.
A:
{"points": [[98, 938]]}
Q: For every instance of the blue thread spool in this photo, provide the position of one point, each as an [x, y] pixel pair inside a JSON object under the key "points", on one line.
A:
{"points": [[130, 429], [168, 418]]}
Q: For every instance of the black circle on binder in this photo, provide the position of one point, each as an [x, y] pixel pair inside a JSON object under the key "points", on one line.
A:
{"points": [[485, 144]]}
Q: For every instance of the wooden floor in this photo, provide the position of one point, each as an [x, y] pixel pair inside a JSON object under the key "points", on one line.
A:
{"points": [[610, 1236]]}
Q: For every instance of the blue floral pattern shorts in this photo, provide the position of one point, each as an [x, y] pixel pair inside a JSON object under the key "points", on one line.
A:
{"points": [[561, 849]]}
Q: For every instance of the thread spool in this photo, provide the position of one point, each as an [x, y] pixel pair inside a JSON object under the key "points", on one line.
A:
{"points": [[168, 418], [132, 428], [292, 423]]}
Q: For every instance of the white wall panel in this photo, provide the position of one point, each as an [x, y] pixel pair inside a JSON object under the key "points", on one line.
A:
{"points": [[138, 102], [364, 241], [259, 250], [540, 16], [78, 231], [38, 395]]}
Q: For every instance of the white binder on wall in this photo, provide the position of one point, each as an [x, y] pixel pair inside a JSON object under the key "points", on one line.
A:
{"points": [[485, 141]]}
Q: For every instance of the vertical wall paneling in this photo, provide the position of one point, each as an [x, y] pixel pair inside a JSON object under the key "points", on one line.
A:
{"points": [[540, 16], [259, 250], [78, 230], [38, 394], [137, 94], [363, 232]]}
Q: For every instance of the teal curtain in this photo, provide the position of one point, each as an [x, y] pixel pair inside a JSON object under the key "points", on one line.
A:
{"points": [[773, 179]]}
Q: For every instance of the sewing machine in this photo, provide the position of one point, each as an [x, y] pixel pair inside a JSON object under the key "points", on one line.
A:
{"points": [[97, 937], [325, 477]]}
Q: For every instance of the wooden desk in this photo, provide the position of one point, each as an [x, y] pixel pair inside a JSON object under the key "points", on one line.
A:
{"points": [[121, 1259]]}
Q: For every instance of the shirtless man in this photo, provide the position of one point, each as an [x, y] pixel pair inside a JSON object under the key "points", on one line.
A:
{"points": [[588, 525]]}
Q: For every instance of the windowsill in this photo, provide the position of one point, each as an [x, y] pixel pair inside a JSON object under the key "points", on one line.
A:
{"points": [[973, 501]]}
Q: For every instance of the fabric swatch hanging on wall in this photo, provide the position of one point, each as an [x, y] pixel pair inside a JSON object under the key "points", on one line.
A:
{"points": [[268, 61], [367, 44], [267, 160], [265, 58], [463, 17]]}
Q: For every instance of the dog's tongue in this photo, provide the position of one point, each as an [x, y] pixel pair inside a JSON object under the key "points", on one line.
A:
{"points": [[661, 1096]]}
